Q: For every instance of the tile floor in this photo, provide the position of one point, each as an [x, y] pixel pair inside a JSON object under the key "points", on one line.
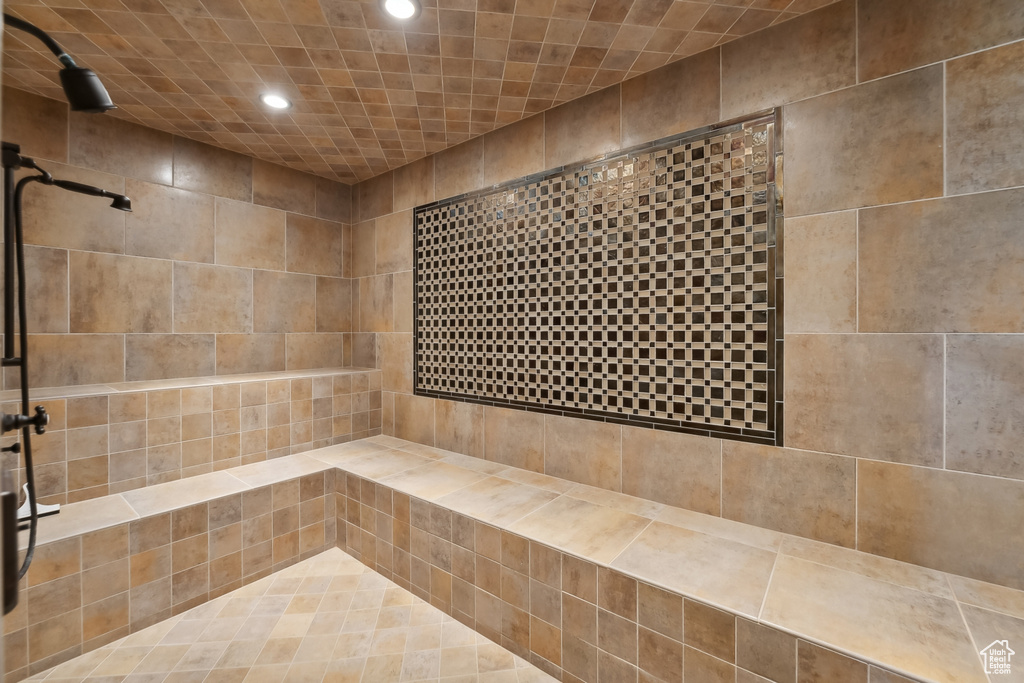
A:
{"points": [[328, 619]]}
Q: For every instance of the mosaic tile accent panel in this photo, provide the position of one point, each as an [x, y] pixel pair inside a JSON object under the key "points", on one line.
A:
{"points": [[640, 288]]}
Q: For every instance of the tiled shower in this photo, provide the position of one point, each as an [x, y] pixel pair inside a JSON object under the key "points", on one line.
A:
{"points": [[862, 413]]}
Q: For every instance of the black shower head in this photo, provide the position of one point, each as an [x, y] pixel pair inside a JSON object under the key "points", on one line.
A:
{"points": [[84, 90], [120, 202], [82, 87]]}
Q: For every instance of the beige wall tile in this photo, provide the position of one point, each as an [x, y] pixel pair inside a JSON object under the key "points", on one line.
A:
{"points": [[364, 350], [364, 248], [414, 184], [375, 303], [883, 47], [583, 450], [919, 272], [395, 354], [984, 385], [314, 246], [162, 356], [39, 125], [562, 141], [918, 515], [821, 273], [212, 298], [710, 630], [375, 197], [459, 169], [698, 666], [514, 437], [796, 492], [283, 302], [458, 426], [169, 223], [333, 201], [113, 293], [241, 353], [394, 237], [695, 464], [818, 665], [283, 188], [872, 396], [249, 236], [212, 170], [673, 99], [403, 302], [810, 55], [305, 351], [74, 221], [46, 277], [414, 418], [333, 304], [514, 151], [114, 146], [73, 359], [984, 102], [766, 651], [877, 143]]}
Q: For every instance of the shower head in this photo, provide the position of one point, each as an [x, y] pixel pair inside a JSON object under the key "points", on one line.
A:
{"points": [[84, 90], [121, 202], [82, 87]]}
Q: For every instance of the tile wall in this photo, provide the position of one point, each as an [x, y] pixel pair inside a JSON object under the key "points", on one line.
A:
{"points": [[114, 441], [905, 332], [226, 265], [89, 590]]}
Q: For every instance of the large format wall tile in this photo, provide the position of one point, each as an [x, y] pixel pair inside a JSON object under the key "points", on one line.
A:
{"points": [[163, 356], [113, 293], [796, 492], [874, 144], [283, 188], [212, 298], [940, 28], [676, 98], [169, 223], [375, 303], [283, 302], [459, 169], [333, 200], [514, 151], [375, 197], [73, 221], [563, 143], [872, 396], [314, 246], [821, 273], [394, 234], [46, 277], [414, 184], [984, 386], [514, 437], [115, 146], [212, 170], [414, 418], [242, 353], [308, 351], [964, 524], [694, 461], [985, 110], [948, 265], [72, 359], [39, 125], [458, 426], [249, 236], [812, 54], [334, 304], [584, 451]]}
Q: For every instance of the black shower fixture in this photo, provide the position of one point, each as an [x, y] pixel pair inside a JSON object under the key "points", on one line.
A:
{"points": [[120, 202], [82, 87]]}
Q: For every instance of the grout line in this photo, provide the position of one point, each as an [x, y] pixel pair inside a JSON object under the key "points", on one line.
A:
{"points": [[856, 265], [768, 587], [856, 42], [945, 368], [945, 134]]}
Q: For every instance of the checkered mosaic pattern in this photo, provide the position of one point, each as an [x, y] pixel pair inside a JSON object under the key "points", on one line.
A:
{"points": [[638, 288]]}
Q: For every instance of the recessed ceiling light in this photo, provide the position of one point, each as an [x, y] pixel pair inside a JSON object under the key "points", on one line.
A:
{"points": [[275, 101], [401, 9]]}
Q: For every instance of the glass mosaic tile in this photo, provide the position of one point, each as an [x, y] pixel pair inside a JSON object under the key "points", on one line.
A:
{"points": [[639, 288]]}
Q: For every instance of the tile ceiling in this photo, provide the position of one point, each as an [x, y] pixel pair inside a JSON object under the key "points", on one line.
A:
{"points": [[370, 93]]}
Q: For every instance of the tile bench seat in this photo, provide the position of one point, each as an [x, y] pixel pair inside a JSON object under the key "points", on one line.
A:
{"points": [[584, 583]]}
